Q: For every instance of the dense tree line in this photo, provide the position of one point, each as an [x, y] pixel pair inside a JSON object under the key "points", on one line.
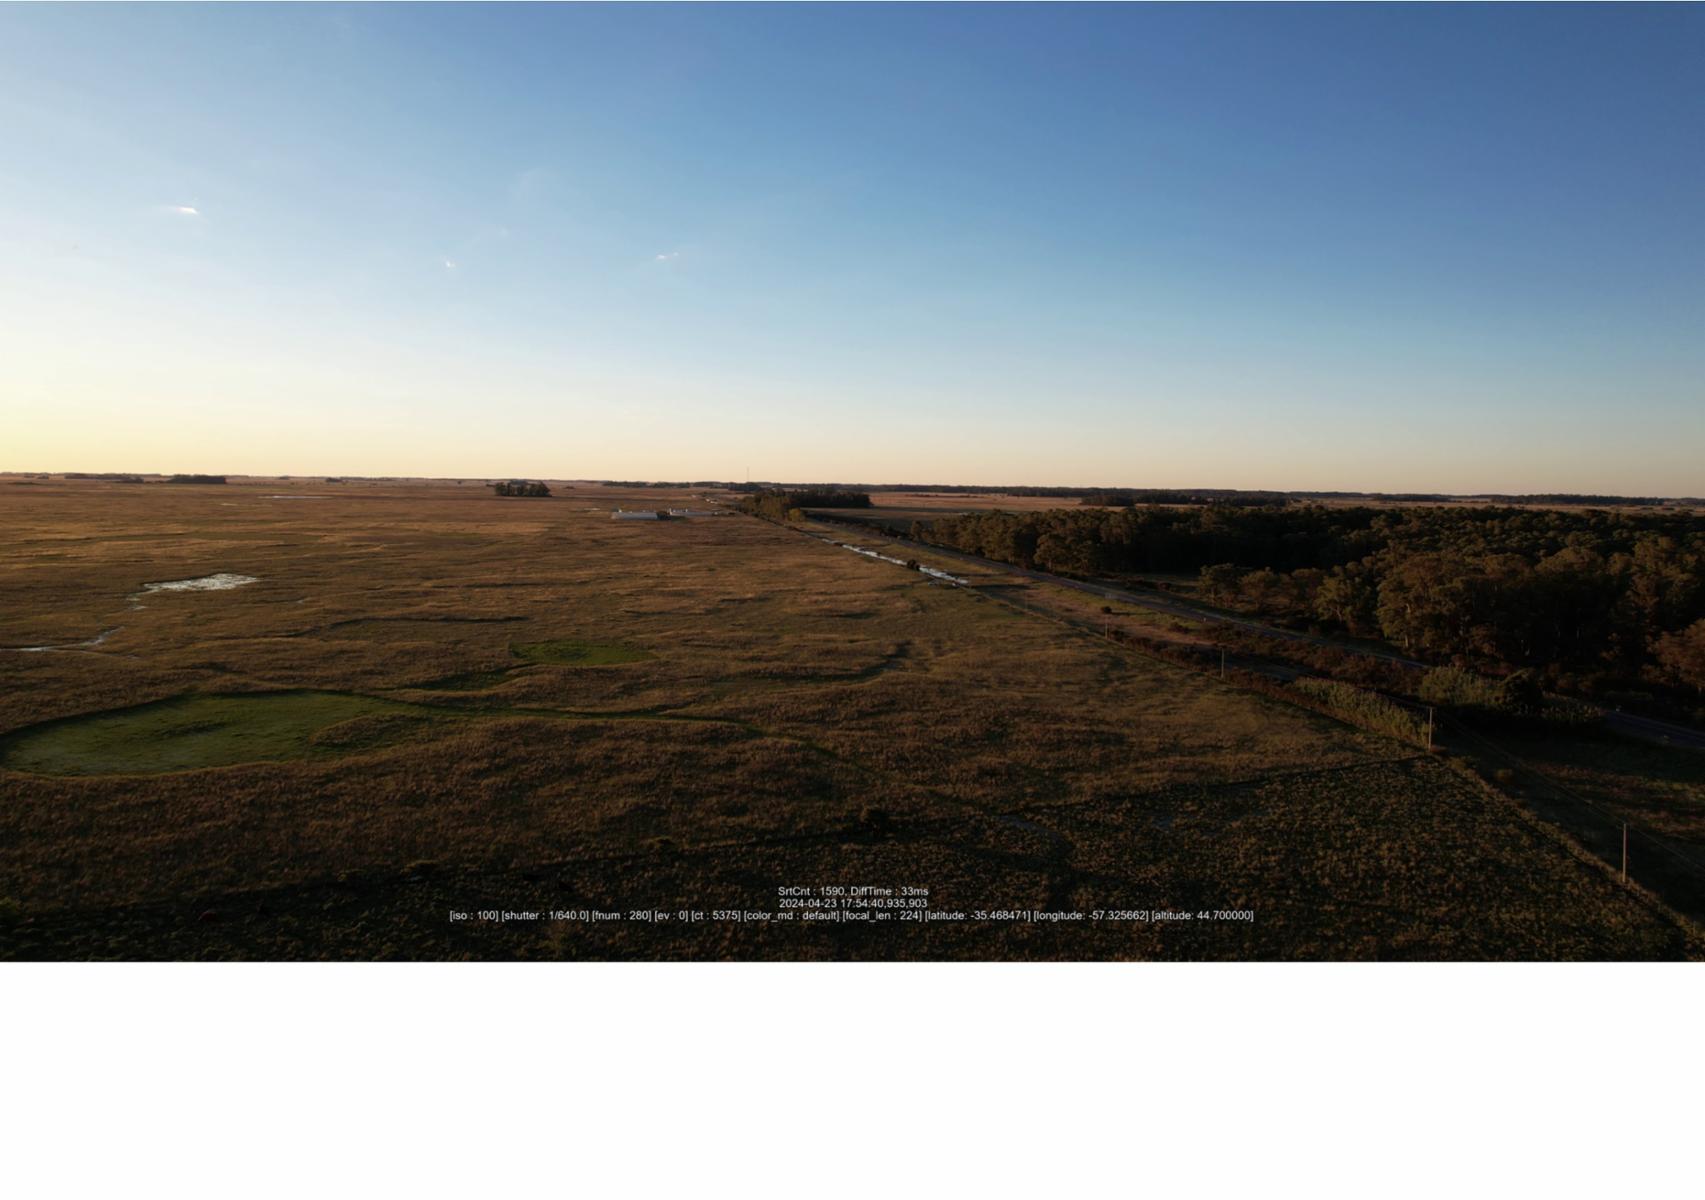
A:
{"points": [[520, 487], [1098, 541], [1236, 496], [1126, 499], [1592, 598], [1580, 499], [673, 484], [196, 479], [945, 489], [778, 504]]}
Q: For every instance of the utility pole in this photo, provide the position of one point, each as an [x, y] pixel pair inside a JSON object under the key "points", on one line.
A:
{"points": [[1625, 852], [1222, 662], [1429, 726]]}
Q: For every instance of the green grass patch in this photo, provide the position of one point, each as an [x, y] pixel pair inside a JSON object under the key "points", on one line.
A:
{"points": [[192, 732], [566, 652], [468, 681], [369, 731]]}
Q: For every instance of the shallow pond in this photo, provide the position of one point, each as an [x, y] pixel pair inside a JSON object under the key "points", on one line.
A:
{"points": [[204, 583], [932, 572], [87, 644]]}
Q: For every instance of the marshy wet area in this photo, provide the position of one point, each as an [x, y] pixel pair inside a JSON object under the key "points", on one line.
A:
{"points": [[86, 644], [224, 581]]}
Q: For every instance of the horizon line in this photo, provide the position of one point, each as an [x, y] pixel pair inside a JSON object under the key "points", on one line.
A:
{"points": [[897, 486]]}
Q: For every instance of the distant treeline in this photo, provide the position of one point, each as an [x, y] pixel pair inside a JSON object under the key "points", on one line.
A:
{"points": [[951, 489], [1099, 541], [196, 479], [520, 487], [1230, 496], [1578, 499], [105, 476], [678, 484], [778, 504], [1593, 599], [1085, 494], [1127, 499]]}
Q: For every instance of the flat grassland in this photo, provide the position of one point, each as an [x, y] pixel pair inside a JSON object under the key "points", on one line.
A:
{"points": [[431, 699]]}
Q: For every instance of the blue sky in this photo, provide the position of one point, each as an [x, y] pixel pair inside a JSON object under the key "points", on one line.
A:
{"points": [[1394, 248]]}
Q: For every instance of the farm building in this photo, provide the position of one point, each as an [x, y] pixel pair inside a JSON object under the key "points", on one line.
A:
{"points": [[642, 514]]}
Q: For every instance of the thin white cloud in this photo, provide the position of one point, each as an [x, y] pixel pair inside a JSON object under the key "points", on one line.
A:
{"points": [[181, 210], [449, 264], [671, 256], [532, 186]]}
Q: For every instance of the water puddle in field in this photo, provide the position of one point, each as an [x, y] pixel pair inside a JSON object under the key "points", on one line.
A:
{"points": [[900, 562], [221, 582], [205, 583], [90, 644]]}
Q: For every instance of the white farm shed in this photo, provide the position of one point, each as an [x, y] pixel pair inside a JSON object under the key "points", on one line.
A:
{"points": [[642, 514]]}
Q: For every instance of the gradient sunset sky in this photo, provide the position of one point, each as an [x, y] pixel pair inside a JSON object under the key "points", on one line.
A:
{"points": [[1398, 248]]}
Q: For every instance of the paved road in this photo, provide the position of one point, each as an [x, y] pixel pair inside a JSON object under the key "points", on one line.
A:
{"points": [[1644, 728], [1652, 730]]}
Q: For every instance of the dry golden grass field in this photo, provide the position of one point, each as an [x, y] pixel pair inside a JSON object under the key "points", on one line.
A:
{"points": [[434, 700]]}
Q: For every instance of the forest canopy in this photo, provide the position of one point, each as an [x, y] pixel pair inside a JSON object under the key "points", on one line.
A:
{"points": [[1588, 597], [778, 503], [520, 487]]}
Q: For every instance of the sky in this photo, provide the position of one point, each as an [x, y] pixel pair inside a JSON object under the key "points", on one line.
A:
{"points": [[1392, 248]]}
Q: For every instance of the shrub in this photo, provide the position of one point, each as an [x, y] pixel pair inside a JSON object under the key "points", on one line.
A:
{"points": [[1520, 693], [1368, 709], [1454, 687]]}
